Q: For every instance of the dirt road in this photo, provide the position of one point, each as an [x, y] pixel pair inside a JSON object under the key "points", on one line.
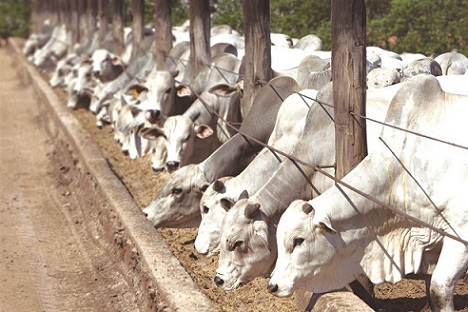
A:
{"points": [[49, 261]]}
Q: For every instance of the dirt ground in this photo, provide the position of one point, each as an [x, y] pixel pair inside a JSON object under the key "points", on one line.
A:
{"points": [[55, 252], [143, 184], [408, 295]]}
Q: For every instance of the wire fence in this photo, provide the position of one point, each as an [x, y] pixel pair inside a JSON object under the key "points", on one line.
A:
{"points": [[340, 182]]}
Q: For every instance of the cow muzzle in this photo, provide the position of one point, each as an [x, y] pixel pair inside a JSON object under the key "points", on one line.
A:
{"points": [[218, 281], [272, 288], [172, 165], [152, 115]]}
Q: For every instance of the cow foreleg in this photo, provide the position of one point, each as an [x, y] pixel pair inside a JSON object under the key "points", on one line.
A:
{"points": [[453, 262]]}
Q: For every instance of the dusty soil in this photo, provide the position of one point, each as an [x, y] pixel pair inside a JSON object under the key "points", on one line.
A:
{"points": [[143, 184], [58, 252]]}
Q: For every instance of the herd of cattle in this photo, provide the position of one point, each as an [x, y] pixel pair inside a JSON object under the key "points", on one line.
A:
{"points": [[264, 212]]}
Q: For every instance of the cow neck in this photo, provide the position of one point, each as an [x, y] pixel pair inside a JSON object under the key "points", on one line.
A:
{"points": [[229, 159], [286, 185], [341, 204]]}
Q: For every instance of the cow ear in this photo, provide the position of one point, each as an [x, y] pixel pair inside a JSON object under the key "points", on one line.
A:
{"points": [[135, 111], [307, 208], [203, 131], [325, 226], [261, 230], [223, 90], [135, 89], [123, 100], [115, 60], [86, 62], [251, 210], [226, 203], [183, 91], [218, 186], [243, 195], [151, 133]]}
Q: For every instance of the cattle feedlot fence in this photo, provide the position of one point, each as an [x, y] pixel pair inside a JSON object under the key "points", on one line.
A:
{"points": [[319, 168]]}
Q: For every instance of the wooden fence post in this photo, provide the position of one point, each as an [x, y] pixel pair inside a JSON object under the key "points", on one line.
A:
{"points": [[117, 26], [348, 20], [163, 25], [200, 20], [103, 19], [92, 14], [257, 59], [138, 14]]}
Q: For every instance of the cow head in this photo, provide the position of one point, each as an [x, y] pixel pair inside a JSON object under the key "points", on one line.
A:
{"points": [[214, 205], [157, 140], [176, 205], [311, 255], [248, 248], [180, 133], [98, 60], [63, 69], [84, 79], [161, 92]]}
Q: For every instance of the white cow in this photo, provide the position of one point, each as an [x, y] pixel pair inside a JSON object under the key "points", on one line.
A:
{"points": [[422, 66], [35, 42], [453, 63], [264, 208], [177, 204], [248, 243], [220, 197], [327, 242], [281, 40], [388, 59], [82, 85], [313, 72], [382, 77], [309, 43], [61, 76], [54, 49], [194, 135], [106, 65]]}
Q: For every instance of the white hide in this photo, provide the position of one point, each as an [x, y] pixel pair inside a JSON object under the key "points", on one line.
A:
{"points": [[326, 243], [214, 205], [257, 252], [453, 63]]}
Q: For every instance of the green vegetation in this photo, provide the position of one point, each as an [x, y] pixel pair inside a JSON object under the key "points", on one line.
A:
{"points": [[424, 26], [14, 17]]}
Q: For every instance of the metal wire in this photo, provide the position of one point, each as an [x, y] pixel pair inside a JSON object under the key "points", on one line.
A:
{"points": [[319, 169]]}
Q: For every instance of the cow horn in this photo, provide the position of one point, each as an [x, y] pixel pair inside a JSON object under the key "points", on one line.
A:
{"points": [[307, 208], [218, 186], [251, 210], [244, 195]]}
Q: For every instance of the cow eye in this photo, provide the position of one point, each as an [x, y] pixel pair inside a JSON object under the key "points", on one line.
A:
{"points": [[297, 242], [237, 244], [205, 209], [176, 191]]}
